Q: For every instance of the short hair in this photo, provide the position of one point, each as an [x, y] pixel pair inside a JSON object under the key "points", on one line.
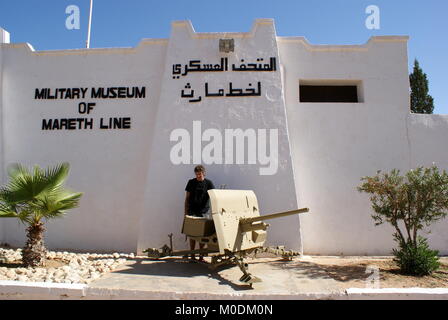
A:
{"points": [[199, 168]]}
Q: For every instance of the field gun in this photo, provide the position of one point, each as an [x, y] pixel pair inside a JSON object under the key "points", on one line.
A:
{"points": [[236, 230]]}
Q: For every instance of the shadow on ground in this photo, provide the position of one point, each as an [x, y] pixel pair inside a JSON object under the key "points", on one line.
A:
{"points": [[12, 265], [319, 271], [175, 267]]}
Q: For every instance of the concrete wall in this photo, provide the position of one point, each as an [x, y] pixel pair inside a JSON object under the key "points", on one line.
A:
{"points": [[109, 166], [134, 193], [335, 144], [4, 38], [166, 181], [427, 136]]}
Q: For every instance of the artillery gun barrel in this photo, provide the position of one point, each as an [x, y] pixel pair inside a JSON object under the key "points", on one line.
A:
{"points": [[273, 216]]}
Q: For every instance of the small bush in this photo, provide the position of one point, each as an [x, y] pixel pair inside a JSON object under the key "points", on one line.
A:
{"points": [[409, 202], [417, 260]]}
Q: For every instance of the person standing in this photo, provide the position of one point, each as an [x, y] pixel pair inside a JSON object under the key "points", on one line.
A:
{"points": [[197, 200]]}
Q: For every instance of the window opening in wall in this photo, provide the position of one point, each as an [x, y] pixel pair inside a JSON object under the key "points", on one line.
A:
{"points": [[339, 92]]}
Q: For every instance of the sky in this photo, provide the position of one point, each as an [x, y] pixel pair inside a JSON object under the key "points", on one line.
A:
{"points": [[123, 23]]}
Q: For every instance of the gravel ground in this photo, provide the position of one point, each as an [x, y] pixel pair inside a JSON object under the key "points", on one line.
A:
{"points": [[61, 267], [357, 272], [349, 272]]}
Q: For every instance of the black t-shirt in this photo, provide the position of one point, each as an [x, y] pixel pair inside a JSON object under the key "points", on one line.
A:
{"points": [[199, 200]]}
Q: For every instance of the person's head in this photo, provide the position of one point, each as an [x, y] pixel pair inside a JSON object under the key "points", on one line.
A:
{"points": [[199, 171]]}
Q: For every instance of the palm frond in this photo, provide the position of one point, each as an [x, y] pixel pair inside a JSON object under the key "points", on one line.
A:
{"points": [[31, 195], [55, 204], [25, 186], [20, 185], [55, 176], [6, 211]]}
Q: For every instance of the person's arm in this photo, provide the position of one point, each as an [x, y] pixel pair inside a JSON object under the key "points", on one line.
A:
{"points": [[187, 202]]}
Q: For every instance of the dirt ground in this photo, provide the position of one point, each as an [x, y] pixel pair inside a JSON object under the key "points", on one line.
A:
{"points": [[49, 263], [353, 272], [349, 272]]}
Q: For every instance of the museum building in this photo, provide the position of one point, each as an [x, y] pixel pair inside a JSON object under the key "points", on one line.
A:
{"points": [[298, 123]]}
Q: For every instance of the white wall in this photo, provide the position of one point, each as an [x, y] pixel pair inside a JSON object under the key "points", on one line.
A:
{"points": [[166, 182], [109, 166], [3, 36], [133, 192], [335, 144], [428, 144]]}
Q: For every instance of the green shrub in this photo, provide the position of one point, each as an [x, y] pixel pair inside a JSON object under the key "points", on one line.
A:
{"points": [[409, 203], [419, 260]]}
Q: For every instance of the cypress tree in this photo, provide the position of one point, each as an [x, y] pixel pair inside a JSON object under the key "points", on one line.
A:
{"points": [[421, 101]]}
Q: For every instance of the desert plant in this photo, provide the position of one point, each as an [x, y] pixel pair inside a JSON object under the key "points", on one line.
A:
{"points": [[35, 196], [409, 203], [417, 260]]}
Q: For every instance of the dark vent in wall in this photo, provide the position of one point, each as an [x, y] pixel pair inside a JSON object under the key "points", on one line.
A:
{"points": [[328, 93]]}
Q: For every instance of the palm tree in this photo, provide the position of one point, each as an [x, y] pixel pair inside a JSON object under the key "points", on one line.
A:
{"points": [[32, 197]]}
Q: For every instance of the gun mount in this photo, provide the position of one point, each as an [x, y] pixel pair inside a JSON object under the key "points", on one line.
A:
{"points": [[236, 230]]}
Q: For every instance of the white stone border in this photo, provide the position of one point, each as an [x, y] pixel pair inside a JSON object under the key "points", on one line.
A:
{"points": [[11, 290], [129, 294], [19, 290], [349, 294], [398, 294]]}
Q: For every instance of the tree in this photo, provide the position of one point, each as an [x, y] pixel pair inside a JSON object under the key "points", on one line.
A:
{"points": [[421, 101], [409, 203], [32, 197]]}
